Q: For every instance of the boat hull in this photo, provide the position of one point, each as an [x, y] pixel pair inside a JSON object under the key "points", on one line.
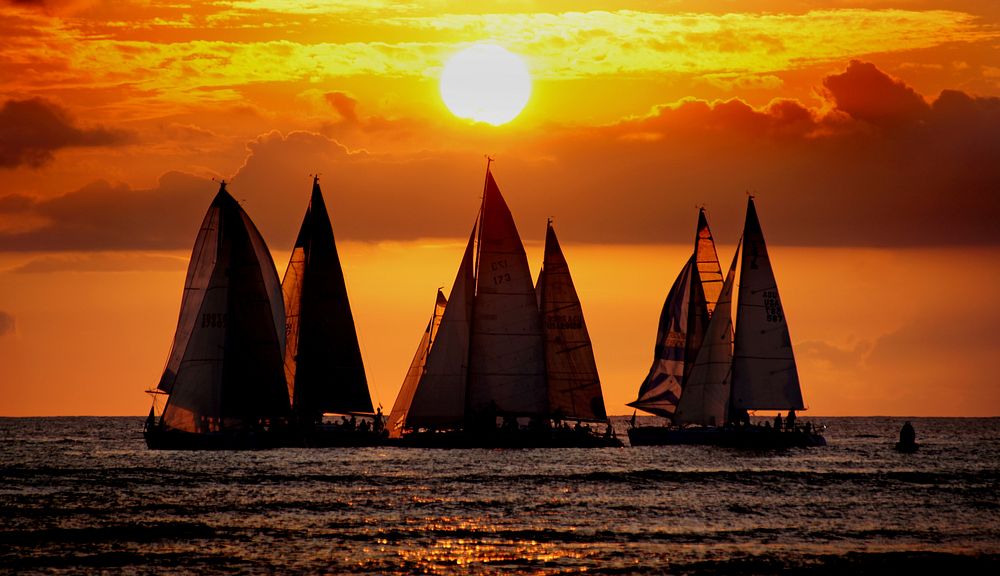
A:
{"points": [[750, 438], [160, 439], [907, 447], [320, 437], [566, 438]]}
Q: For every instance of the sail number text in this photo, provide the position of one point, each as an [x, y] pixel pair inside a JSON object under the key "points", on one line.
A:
{"points": [[213, 320], [500, 275], [772, 306]]}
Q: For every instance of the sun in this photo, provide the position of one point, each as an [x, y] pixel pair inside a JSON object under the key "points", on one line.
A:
{"points": [[486, 83]]}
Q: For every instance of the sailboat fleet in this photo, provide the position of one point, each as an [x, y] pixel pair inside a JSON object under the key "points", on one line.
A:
{"points": [[503, 361]]}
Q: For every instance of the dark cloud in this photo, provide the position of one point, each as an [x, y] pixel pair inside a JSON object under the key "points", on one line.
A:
{"points": [[924, 178], [102, 216], [32, 130], [866, 93], [101, 262], [13, 203], [6, 324], [52, 6], [345, 105], [841, 358]]}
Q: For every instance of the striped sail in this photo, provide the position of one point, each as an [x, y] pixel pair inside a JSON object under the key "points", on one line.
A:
{"points": [[661, 390]]}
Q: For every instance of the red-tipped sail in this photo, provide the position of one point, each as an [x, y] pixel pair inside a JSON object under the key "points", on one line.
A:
{"points": [[507, 361]]}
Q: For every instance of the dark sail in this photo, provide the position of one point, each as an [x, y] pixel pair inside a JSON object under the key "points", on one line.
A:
{"points": [[323, 363], [224, 370]]}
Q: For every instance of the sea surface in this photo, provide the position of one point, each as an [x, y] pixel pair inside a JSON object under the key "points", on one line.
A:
{"points": [[84, 495]]}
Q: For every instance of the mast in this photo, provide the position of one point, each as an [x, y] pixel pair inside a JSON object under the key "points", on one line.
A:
{"points": [[764, 372], [571, 371]]}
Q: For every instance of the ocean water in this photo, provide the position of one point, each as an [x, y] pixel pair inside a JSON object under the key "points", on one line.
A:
{"points": [[84, 495]]}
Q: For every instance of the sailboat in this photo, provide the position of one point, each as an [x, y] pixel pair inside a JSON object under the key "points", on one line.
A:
{"points": [[738, 369], [224, 381], [485, 354], [323, 364]]}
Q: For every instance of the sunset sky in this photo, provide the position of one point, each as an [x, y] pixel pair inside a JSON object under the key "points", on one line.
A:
{"points": [[869, 132]]}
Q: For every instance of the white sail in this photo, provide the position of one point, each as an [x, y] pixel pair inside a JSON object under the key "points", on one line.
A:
{"points": [[507, 361], [705, 400], [571, 371], [230, 372], [397, 418], [199, 276], [439, 400], [764, 372]]}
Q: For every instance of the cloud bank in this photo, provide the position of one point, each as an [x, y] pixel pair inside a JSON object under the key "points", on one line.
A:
{"points": [[32, 130], [873, 164]]}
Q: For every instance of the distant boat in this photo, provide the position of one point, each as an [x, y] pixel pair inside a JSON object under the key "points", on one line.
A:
{"points": [[486, 353], [224, 380], [907, 439], [323, 363], [732, 371]]}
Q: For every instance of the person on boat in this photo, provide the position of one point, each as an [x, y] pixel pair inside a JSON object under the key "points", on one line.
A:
{"points": [[907, 435], [777, 422], [790, 420], [377, 425]]}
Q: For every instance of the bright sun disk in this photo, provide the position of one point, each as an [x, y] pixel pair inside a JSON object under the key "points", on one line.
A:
{"points": [[486, 83]]}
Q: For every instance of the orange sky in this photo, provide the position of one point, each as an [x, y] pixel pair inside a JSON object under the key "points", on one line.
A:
{"points": [[869, 131]]}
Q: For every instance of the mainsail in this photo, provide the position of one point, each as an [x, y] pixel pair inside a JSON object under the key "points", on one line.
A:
{"points": [[507, 360], [224, 371], [571, 371], [323, 363], [683, 323], [706, 392], [397, 418], [764, 372]]}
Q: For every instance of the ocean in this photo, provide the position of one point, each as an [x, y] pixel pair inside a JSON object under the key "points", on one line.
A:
{"points": [[84, 495]]}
